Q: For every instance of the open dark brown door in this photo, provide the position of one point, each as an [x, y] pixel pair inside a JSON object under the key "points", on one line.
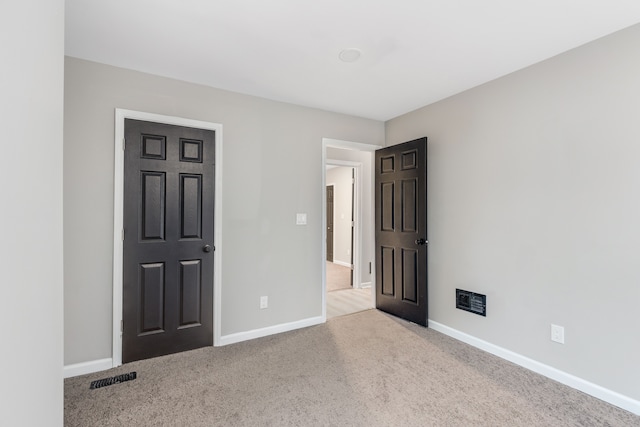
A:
{"points": [[401, 230], [168, 245]]}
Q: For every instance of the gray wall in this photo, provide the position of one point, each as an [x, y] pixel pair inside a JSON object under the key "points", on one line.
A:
{"points": [[340, 178], [534, 200], [272, 169], [31, 107]]}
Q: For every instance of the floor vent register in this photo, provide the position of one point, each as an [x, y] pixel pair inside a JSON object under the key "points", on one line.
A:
{"points": [[113, 380]]}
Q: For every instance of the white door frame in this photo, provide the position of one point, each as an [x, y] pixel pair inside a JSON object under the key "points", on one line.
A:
{"points": [[357, 238], [118, 212]]}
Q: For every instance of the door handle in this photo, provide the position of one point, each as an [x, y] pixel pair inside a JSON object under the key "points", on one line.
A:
{"points": [[206, 248], [422, 242]]}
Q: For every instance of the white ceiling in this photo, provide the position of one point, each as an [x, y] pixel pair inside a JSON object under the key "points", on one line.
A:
{"points": [[414, 52]]}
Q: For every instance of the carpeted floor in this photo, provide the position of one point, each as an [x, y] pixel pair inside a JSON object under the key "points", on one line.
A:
{"points": [[365, 369]]}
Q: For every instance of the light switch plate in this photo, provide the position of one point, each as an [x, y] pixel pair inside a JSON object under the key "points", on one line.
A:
{"points": [[301, 219]]}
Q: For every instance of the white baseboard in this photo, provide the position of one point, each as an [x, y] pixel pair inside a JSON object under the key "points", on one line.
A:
{"points": [[572, 381], [342, 263], [104, 364], [271, 330], [87, 367], [365, 285]]}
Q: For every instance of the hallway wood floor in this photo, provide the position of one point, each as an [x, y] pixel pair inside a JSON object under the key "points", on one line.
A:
{"points": [[342, 299], [338, 277], [348, 301]]}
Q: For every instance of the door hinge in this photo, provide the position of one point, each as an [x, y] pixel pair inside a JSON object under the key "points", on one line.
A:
{"points": [[121, 326], [124, 143], [123, 234]]}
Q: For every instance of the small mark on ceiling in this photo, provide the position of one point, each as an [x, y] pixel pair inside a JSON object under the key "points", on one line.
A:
{"points": [[350, 55]]}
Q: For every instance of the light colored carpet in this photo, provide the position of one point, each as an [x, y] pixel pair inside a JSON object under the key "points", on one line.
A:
{"points": [[365, 369], [338, 277]]}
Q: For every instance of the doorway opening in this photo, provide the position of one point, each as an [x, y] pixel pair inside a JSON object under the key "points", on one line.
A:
{"points": [[118, 218], [340, 226], [348, 270]]}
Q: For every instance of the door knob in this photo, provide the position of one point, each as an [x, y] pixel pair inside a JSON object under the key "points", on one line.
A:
{"points": [[206, 248], [421, 242]]}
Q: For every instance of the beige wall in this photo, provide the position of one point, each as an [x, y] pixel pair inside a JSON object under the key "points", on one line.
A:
{"points": [[533, 184], [31, 107], [272, 169]]}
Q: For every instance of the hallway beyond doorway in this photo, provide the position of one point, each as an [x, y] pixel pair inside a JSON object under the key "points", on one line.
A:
{"points": [[338, 277], [342, 299]]}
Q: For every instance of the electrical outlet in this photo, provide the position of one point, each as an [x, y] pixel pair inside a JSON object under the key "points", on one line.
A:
{"points": [[557, 334], [264, 302]]}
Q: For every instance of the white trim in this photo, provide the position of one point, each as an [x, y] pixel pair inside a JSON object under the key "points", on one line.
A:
{"points": [[323, 240], [565, 378], [118, 196], [346, 264], [87, 367], [118, 227], [349, 145], [365, 285], [342, 163], [270, 330]]}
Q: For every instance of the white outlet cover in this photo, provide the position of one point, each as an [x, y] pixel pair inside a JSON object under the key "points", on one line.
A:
{"points": [[301, 219], [557, 334]]}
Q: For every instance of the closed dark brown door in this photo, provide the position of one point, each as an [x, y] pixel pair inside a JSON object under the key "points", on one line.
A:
{"points": [[330, 223], [401, 230], [168, 245]]}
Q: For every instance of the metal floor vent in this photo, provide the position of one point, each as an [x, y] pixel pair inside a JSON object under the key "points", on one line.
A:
{"points": [[113, 380]]}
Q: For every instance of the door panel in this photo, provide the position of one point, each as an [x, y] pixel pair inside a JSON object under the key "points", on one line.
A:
{"points": [[152, 297], [401, 230], [168, 221], [190, 206], [153, 202], [388, 275], [409, 275], [387, 196], [190, 293], [409, 214]]}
